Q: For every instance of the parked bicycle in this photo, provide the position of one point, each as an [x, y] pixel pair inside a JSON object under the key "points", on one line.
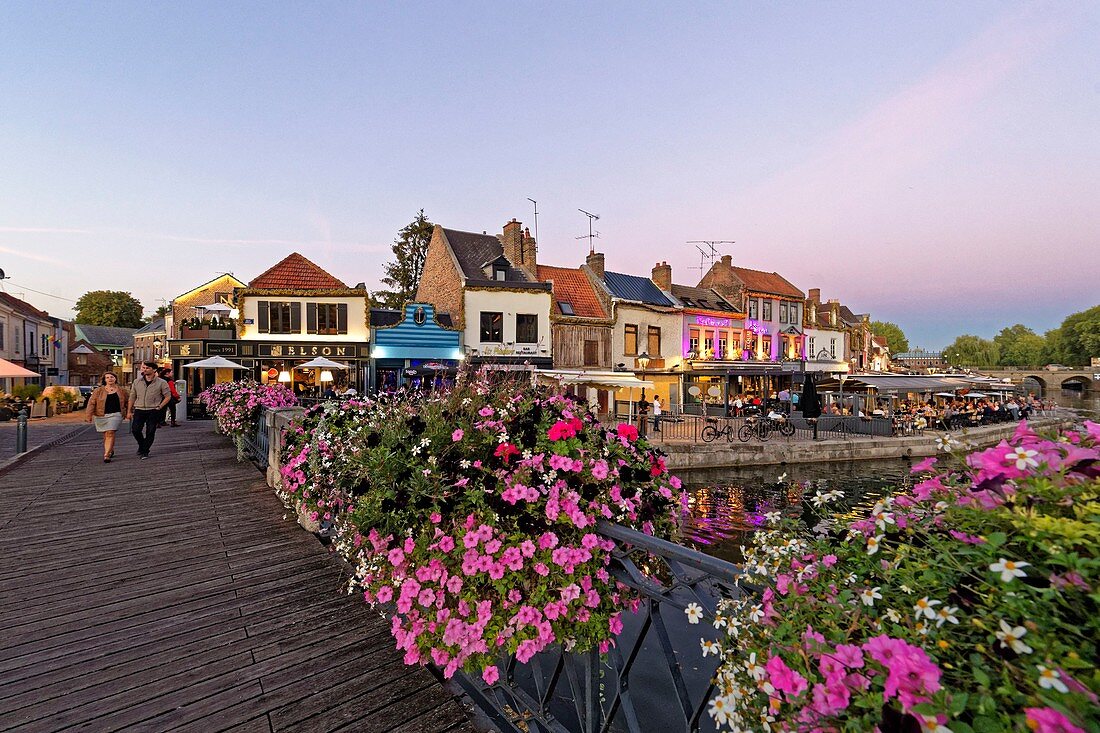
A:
{"points": [[755, 426], [712, 432], [780, 423]]}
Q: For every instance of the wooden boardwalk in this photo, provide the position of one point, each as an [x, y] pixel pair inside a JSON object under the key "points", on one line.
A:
{"points": [[170, 594]]}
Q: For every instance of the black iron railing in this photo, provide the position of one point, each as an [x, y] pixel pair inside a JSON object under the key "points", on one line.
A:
{"points": [[655, 679], [257, 440]]}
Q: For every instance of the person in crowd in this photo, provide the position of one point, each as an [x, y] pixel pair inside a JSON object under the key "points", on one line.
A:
{"points": [[329, 393], [738, 406], [656, 413], [149, 395], [106, 407], [168, 414]]}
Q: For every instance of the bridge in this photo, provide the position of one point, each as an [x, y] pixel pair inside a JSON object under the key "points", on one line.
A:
{"points": [[1047, 383]]}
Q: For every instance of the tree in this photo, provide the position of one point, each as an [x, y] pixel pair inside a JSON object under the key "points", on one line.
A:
{"points": [[160, 312], [1019, 346], [895, 337], [1080, 337], [109, 308], [403, 274], [972, 351]]}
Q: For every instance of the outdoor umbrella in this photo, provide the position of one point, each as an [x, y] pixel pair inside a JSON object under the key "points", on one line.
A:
{"points": [[945, 394], [215, 362], [810, 404], [215, 308], [7, 369], [322, 363]]}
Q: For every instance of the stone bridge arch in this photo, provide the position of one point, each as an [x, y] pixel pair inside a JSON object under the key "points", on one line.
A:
{"points": [[1078, 383], [1035, 383]]}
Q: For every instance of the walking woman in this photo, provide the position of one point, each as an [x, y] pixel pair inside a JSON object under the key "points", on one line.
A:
{"points": [[107, 405]]}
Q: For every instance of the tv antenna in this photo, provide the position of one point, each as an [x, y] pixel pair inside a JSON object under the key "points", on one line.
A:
{"points": [[3, 276], [708, 252], [536, 203], [591, 236]]}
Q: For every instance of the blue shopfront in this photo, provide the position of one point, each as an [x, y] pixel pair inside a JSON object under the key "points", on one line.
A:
{"points": [[414, 347]]}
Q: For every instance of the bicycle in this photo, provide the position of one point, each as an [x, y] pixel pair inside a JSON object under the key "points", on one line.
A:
{"points": [[712, 432], [754, 426], [781, 424]]}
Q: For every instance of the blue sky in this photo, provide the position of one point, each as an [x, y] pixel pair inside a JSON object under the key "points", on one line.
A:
{"points": [[935, 164]]}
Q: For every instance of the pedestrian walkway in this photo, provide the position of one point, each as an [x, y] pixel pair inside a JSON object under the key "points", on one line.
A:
{"points": [[39, 432], [171, 594]]}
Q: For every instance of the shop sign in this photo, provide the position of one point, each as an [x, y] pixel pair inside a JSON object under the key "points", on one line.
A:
{"points": [[756, 327], [249, 321], [272, 373], [347, 351], [712, 322], [221, 349], [183, 349]]}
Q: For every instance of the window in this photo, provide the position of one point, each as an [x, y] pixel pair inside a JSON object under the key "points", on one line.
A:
{"points": [[327, 319], [45, 345], [721, 353], [783, 312], [654, 342], [499, 273], [693, 341], [767, 312], [794, 317], [566, 308], [591, 353], [492, 327], [752, 308], [735, 349], [766, 343], [81, 360], [832, 348], [527, 328], [810, 348], [630, 339], [279, 317]]}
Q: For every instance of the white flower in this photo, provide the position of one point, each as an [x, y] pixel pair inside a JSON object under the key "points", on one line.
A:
{"points": [[782, 478], [824, 527], [930, 724], [870, 595], [946, 615], [1051, 679], [720, 709], [1023, 458], [945, 442], [882, 517], [710, 647], [1009, 569], [1010, 636], [873, 544], [922, 628], [820, 499], [850, 579], [772, 517], [906, 589], [756, 613], [893, 615], [694, 612], [465, 463], [925, 608], [756, 671]]}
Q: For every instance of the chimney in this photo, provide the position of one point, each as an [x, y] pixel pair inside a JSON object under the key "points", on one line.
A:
{"points": [[727, 260], [662, 276], [513, 243], [529, 249], [815, 295], [595, 263]]}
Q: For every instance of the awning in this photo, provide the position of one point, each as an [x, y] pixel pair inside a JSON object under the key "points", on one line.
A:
{"points": [[607, 380], [903, 383]]}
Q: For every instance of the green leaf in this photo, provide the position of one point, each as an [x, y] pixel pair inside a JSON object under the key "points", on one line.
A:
{"points": [[980, 676], [986, 724], [958, 703], [996, 539]]}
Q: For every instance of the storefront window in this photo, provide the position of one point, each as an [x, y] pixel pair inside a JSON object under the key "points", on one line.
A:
{"points": [[492, 327], [527, 328]]}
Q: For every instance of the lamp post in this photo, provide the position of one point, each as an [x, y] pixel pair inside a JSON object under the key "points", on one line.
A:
{"points": [[156, 349], [843, 378], [643, 406]]}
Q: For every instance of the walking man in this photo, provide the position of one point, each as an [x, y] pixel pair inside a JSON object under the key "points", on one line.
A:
{"points": [[148, 396]]}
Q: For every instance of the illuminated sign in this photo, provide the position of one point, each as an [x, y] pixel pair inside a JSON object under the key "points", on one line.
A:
{"points": [[756, 327], [713, 322]]}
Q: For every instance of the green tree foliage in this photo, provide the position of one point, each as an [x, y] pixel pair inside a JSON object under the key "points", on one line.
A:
{"points": [[403, 274], [109, 308], [1019, 346], [160, 312], [1080, 337], [895, 337], [972, 351]]}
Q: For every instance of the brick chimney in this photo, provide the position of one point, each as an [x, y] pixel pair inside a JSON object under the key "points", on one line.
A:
{"points": [[513, 243], [595, 263], [530, 248], [815, 295], [727, 260], [662, 276]]}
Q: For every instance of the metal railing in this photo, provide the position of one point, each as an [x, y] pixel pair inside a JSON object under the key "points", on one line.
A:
{"points": [[257, 440], [655, 678]]}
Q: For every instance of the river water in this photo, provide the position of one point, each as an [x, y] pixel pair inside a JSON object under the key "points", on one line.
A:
{"points": [[726, 505]]}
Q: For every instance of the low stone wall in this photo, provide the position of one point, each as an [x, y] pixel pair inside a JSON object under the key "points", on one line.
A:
{"points": [[684, 458]]}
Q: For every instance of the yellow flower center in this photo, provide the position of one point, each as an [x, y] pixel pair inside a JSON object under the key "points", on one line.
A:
{"points": [[1010, 566]]}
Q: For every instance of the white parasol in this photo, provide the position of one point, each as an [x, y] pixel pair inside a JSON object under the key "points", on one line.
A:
{"points": [[214, 362], [322, 363], [8, 369]]}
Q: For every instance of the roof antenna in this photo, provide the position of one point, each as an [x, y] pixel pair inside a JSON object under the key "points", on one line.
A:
{"points": [[591, 218], [536, 203], [709, 253]]}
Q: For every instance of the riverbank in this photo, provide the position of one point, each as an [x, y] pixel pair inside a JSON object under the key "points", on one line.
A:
{"points": [[687, 458]]}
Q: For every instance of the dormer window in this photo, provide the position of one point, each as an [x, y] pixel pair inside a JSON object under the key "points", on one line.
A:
{"points": [[499, 272]]}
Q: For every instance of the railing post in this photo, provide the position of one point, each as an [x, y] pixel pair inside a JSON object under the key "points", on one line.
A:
{"points": [[21, 432]]}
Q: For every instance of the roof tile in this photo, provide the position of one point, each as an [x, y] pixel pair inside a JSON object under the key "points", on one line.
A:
{"points": [[572, 286], [296, 272], [771, 283]]}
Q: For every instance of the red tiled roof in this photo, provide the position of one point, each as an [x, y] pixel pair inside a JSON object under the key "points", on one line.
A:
{"points": [[572, 286], [22, 305], [295, 271], [771, 283]]}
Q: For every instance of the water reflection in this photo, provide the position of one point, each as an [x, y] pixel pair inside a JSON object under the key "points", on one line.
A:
{"points": [[726, 506]]}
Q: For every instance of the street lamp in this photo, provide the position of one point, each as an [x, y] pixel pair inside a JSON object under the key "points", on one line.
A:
{"points": [[643, 406], [156, 349]]}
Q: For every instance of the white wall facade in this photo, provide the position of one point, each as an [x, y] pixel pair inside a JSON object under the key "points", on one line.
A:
{"points": [[510, 303], [671, 324], [358, 318]]}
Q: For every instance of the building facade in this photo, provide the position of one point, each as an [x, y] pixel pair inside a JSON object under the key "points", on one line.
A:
{"points": [[414, 347]]}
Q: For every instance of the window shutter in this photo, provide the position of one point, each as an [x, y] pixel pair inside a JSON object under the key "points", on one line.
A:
{"points": [[311, 318], [342, 318], [295, 317], [263, 314]]}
